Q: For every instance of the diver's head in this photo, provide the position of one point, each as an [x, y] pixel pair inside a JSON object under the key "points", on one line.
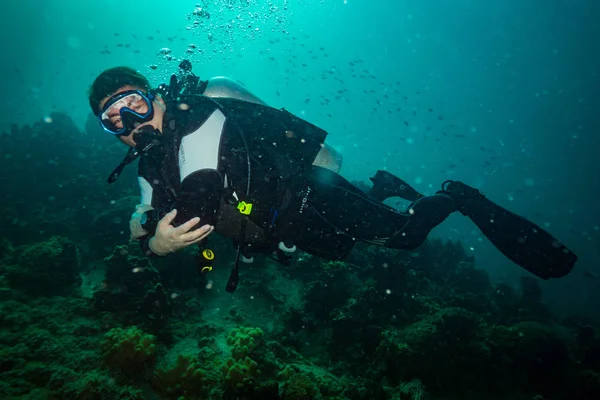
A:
{"points": [[123, 102]]}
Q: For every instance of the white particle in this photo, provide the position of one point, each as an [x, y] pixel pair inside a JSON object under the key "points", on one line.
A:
{"points": [[209, 284], [48, 120], [411, 211], [388, 291]]}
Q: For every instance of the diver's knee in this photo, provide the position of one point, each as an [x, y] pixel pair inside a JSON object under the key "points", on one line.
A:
{"points": [[405, 241]]}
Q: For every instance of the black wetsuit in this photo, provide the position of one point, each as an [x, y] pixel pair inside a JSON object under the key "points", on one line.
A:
{"points": [[219, 153]]}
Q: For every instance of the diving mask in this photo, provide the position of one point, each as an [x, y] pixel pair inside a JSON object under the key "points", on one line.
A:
{"points": [[125, 111]]}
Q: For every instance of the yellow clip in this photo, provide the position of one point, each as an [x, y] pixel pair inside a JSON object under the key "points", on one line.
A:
{"points": [[244, 208], [206, 270], [208, 254]]}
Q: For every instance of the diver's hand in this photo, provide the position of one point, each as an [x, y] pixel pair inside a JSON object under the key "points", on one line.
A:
{"points": [[168, 239]]}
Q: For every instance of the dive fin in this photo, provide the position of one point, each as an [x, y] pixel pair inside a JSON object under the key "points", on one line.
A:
{"points": [[522, 241], [386, 185]]}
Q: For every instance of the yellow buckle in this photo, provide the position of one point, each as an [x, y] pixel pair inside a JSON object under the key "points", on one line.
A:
{"points": [[208, 254], [206, 270], [244, 208]]}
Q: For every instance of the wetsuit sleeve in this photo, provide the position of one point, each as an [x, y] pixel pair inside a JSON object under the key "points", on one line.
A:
{"points": [[135, 223], [201, 182]]}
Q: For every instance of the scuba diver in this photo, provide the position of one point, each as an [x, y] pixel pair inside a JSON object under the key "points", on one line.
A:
{"points": [[215, 157]]}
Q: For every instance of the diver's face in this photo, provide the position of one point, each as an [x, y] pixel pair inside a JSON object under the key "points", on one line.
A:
{"points": [[156, 122]]}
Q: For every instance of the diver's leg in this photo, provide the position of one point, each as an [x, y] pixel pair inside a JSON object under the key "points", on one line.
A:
{"points": [[386, 185], [341, 205], [520, 240]]}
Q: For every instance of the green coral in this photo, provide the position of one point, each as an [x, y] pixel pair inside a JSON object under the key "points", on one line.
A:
{"points": [[299, 387], [241, 374], [241, 371], [243, 341], [128, 349], [185, 379], [47, 268]]}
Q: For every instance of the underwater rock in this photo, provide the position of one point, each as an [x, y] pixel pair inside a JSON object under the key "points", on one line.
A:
{"points": [[63, 171], [47, 268], [133, 291], [449, 340], [111, 225], [98, 385], [530, 303], [413, 390], [530, 355]]}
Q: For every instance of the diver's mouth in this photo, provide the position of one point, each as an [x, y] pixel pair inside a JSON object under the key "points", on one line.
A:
{"points": [[141, 127]]}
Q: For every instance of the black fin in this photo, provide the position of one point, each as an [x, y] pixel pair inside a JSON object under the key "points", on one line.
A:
{"points": [[386, 185], [522, 241]]}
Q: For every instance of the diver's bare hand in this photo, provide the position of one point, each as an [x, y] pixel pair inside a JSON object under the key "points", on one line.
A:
{"points": [[168, 239]]}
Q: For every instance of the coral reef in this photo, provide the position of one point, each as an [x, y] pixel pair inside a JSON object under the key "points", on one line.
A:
{"points": [[133, 292], [46, 269]]}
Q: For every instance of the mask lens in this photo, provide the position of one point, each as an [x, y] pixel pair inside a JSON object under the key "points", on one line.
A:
{"points": [[133, 103]]}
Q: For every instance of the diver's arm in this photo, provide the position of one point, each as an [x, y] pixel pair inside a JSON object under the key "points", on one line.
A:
{"points": [[154, 229], [140, 215], [201, 183], [137, 218]]}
